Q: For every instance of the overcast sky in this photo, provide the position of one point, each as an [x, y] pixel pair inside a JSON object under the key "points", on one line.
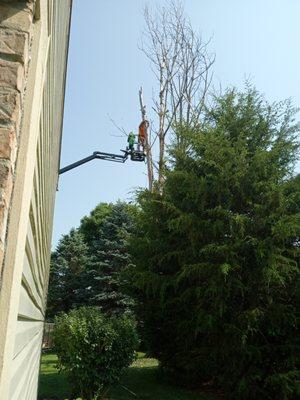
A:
{"points": [[251, 38]]}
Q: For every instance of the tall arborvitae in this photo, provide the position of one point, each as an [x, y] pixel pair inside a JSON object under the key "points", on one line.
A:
{"points": [[217, 254], [67, 288]]}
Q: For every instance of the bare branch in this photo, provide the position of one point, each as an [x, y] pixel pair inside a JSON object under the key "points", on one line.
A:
{"points": [[120, 128], [181, 63]]}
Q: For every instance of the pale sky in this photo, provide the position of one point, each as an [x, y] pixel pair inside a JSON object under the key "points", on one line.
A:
{"points": [[251, 38]]}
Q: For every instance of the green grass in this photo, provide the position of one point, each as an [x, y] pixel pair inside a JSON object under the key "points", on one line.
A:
{"points": [[139, 383]]}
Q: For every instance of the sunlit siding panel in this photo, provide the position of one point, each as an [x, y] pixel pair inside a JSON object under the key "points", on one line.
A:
{"points": [[25, 366]]}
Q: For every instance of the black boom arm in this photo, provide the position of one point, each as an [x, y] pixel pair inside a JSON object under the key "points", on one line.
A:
{"points": [[120, 158]]}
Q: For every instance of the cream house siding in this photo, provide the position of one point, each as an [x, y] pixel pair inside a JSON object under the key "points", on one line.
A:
{"points": [[25, 273]]}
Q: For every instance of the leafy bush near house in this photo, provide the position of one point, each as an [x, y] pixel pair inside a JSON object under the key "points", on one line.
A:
{"points": [[93, 349]]}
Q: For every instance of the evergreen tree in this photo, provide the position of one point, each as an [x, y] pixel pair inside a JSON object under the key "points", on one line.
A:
{"points": [[88, 264], [217, 254], [110, 258], [67, 287], [90, 224]]}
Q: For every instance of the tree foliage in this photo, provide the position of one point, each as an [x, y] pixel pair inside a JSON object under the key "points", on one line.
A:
{"points": [[93, 349], [67, 288], [87, 265], [90, 224], [109, 258], [217, 253]]}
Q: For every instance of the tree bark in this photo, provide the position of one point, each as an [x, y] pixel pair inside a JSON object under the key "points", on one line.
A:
{"points": [[147, 146]]}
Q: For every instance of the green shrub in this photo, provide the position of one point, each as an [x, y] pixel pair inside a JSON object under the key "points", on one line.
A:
{"points": [[93, 349]]}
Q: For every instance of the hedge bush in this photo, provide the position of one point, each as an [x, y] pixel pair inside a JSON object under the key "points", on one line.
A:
{"points": [[93, 349]]}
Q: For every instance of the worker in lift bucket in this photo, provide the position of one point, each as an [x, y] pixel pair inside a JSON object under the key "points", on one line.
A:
{"points": [[143, 133], [131, 141]]}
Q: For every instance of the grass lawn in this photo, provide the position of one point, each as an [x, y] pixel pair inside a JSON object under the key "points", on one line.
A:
{"points": [[140, 379]]}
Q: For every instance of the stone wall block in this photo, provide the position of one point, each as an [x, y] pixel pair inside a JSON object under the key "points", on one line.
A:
{"points": [[4, 173], [11, 74], [16, 28], [7, 143], [13, 15], [6, 186], [30, 5], [13, 44], [9, 106]]}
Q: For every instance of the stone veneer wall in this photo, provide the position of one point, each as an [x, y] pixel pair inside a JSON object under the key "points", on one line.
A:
{"points": [[16, 20], [33, 54]]}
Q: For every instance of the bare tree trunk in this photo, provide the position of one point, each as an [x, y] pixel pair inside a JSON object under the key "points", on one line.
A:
{"points": [[161, 130], [161, 163], [147, 146]]}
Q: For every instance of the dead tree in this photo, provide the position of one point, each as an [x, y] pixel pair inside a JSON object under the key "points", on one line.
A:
{"points": [[181, 63], [147, 147]]}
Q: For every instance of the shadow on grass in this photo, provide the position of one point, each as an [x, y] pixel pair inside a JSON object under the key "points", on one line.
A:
{"points": [[53, 386], [144, 382], [140, 383]]}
